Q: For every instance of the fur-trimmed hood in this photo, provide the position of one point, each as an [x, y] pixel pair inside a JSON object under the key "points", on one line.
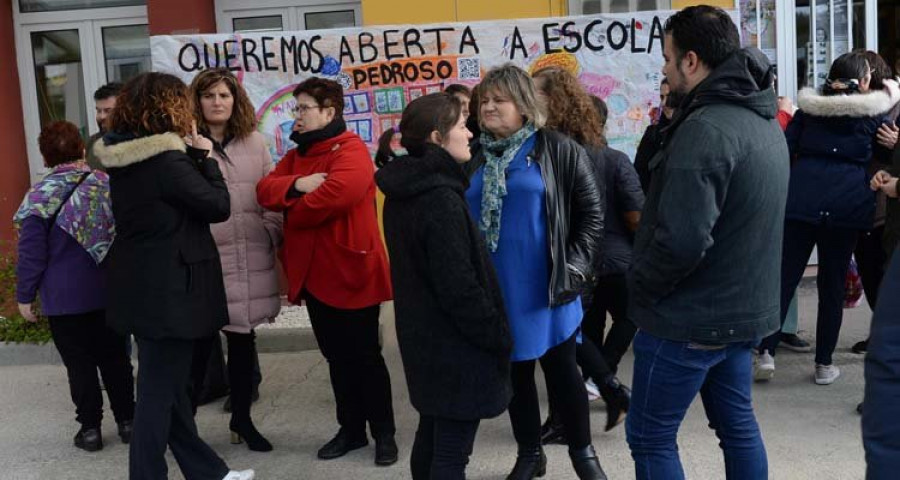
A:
{"points": [[861, 105], [131, 151]]}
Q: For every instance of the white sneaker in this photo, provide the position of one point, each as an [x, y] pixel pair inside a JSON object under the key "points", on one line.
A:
{"points": [[592, 391], [242, 475], [763, 367], [826, 374]]}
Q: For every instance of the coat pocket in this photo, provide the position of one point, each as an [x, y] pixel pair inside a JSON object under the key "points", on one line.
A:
{"points": [[355, 266]]}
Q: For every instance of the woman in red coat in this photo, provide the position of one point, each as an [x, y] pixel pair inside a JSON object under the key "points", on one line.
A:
{"points": [[335, 261]]}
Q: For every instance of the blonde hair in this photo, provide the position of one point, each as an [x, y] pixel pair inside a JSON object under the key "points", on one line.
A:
{"points": [[513, 81]]}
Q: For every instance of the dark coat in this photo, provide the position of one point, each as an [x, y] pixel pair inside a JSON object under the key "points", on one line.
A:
{"points": [[832, 141], [165, 279], [575, 206], [707, 257], [881, 409], [648, 147], [451, 326]]}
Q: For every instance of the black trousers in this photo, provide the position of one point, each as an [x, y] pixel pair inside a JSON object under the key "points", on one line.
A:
{"points": [[348, 339], [163, 417], [241, 355], [86, 344], [610, 295], [871, 260], [835, 247], [565, 387], [442, 448]]}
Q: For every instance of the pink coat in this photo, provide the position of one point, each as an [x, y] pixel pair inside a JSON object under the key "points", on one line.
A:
{"points": [[249, 240]]}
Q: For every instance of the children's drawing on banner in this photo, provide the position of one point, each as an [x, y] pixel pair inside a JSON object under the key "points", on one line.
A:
{"points": [[617, 57]]}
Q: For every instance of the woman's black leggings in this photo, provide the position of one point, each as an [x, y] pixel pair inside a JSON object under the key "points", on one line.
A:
{"points": [[566, 389]]}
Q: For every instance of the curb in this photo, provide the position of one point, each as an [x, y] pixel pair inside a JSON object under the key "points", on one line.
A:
{"points": [[270, 340]]}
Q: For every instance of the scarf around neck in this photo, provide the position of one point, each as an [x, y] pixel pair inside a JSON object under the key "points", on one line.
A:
{"points": [[305, 141], [498, 154]]}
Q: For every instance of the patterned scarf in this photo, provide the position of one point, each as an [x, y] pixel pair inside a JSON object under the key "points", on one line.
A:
{"points": [[86, 216], [498, 155]]}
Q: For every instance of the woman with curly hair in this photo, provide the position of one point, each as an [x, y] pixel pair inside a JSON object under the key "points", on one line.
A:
{"points": [[247, 241], [65, 228], [165, 279], [573, 112]]}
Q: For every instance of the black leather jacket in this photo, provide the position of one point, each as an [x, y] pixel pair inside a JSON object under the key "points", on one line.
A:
{"points": [[575, 207]]}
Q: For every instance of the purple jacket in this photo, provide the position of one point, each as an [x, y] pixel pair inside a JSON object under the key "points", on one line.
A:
{"points": [[56, 266]]}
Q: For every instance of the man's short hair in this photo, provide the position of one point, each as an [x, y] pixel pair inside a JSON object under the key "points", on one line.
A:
{"points": [[707, 31], [111, 89]]}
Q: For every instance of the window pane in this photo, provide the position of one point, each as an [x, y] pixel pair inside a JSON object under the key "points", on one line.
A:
{"points": [[59, 77], [127, 52], [258, 24], [321, 20], [623, 6], [27, 6]]}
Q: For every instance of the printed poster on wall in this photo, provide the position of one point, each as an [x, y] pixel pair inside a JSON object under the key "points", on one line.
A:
{"points": [[617, 57]]}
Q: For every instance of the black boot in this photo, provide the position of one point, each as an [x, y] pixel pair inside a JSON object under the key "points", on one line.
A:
{"points": [[553, 431], [617, 398], [240, 376], [126, 428], [341, 444], [89, 439], [586, 464], [245, 431], [530, 463], [386, 451]]}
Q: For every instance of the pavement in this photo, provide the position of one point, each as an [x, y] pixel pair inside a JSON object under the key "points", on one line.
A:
{"points": [[810, 431]]}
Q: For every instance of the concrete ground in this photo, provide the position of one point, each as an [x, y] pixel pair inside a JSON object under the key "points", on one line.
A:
{"points": [[810, 431]]}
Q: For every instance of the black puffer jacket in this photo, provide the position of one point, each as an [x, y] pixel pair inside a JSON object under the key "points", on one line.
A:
{"points": [[451, 326], [575, 206], [165, 278]]}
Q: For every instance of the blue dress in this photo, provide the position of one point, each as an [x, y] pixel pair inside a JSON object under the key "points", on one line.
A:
{"points": [[522, 260]]}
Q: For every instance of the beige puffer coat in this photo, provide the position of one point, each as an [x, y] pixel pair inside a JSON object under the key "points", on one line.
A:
{"points": [[249, 240]]}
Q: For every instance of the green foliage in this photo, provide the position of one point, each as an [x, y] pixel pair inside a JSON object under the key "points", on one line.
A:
{"points": [[14, 328]]}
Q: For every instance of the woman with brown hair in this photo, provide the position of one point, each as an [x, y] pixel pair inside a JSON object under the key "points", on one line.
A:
{"points": [[165, 279], [451, 326], [247, 241], [335, 262], [573, 112]]}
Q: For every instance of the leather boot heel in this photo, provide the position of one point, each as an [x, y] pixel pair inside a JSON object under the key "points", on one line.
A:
{"points": [[236, 438], [586, 464], [530, 463]]}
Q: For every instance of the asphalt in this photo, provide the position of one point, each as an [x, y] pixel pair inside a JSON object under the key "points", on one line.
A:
{"points": [[810, 431]]}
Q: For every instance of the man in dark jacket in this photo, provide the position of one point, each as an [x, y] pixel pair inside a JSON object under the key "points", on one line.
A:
{"points": [[705, 279], [881, 410]]}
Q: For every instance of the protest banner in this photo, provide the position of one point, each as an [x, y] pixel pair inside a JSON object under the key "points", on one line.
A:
{"points": [[617, 57]]}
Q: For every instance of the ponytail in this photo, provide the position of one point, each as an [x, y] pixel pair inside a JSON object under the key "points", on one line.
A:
{"points": [[385, 153]]}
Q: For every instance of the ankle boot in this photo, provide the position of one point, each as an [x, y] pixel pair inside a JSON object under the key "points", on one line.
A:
{"points": [[240, 376], [245, 431], [617, 398], [586, 464], [530, 463]]}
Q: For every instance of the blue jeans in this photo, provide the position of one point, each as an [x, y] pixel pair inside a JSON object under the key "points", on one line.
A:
{"points": [[667, 377]]}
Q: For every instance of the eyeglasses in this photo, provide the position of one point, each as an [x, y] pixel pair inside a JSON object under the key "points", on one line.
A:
{"points": [[300, 108]]}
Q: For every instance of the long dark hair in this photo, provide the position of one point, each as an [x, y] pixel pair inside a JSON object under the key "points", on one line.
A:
{"points": [[437, 111]]}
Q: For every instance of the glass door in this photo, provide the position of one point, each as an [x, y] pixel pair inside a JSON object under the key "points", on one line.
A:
{"points": [[827, 29], [61, 64]]}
